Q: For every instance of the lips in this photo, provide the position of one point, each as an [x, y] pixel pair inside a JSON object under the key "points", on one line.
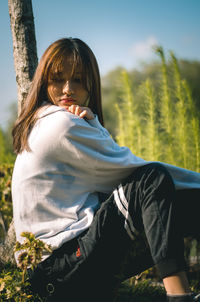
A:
{"points": [[67, 101]]}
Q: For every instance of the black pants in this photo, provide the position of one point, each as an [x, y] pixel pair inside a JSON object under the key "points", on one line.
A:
{"points": [[138, 226]]}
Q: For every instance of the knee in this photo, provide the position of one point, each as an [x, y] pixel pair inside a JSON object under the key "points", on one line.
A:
{"points": [[154, 175], [157, 174], [157, 167]]}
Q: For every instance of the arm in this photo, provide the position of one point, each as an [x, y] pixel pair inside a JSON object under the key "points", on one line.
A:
{"points": [[82, 112], [90, 150]]}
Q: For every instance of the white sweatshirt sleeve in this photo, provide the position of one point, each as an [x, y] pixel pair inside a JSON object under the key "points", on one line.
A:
{"points": [[90, 152], [88, 148]]}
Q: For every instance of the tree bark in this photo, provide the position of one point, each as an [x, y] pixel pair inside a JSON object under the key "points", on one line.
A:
{"points": [[25, 61], [6, 248], [24, 45]]}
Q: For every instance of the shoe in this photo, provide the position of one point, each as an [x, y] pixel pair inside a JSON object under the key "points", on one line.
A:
{"points": [[196, 298], [186, 298]]}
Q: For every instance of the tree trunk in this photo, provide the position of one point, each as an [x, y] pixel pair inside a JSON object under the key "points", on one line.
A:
{"points": [[25, 61], [6, 248], [24, 45]]}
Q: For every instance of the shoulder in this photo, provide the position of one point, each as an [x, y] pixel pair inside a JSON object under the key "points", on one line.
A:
{"points": [[55, 120], [57, 115], [54, 126]]}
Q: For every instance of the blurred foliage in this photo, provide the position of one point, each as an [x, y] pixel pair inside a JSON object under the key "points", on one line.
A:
{"points": [[159, 118], [143, 291], [14, 285], [6, 155], [6, 150], [5, 198], [7, 158], [113, 91]]}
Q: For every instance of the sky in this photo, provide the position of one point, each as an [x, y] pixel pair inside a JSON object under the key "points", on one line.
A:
{"points": [[120, 33]]}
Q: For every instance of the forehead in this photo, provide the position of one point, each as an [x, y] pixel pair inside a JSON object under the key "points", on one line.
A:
{"points": [[68, 64]]}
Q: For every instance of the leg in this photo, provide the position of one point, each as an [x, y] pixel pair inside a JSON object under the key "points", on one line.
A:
{"points": [[145, 204], [142, 203], [153, 194], [187, 206], [177, 284]]}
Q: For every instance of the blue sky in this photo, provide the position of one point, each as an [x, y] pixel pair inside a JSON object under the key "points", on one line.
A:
{"points": [[119, 32]]}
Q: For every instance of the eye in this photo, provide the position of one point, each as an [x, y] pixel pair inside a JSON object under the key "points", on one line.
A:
{"points": [[77, 79], [58, 80], [56, 77]]}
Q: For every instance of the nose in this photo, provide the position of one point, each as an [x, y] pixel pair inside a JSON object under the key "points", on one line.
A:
{"points": [[68, 88]]}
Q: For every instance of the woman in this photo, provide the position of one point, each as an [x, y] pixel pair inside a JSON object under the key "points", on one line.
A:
{"points": [[74, 188]]}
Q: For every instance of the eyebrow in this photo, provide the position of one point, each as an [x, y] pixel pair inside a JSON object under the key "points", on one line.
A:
{"points": [[60, 73], [57, 72]]}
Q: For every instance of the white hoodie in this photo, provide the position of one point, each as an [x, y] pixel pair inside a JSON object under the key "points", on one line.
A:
{"points": [[54, 187]]}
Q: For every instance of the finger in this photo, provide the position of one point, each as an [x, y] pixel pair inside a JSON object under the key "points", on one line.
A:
{"points": [[72, 109], [78, 110], [83, 113]]}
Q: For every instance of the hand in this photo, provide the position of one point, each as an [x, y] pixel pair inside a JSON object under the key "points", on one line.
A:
{"points": [[83, 112]]}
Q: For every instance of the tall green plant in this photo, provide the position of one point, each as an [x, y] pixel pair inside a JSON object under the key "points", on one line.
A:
{"points": [[164, 125], [166, 110], [194, 127], [181, 121], [128, 124], [151, 124], [129, 110], [121, 128]]}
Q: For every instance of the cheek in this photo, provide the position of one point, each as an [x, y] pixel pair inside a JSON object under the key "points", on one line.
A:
{"points": [[85, 95], [52, 92]]}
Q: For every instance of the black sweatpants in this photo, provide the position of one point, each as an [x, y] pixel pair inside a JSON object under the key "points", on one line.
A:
{"points": [[136, 227]]}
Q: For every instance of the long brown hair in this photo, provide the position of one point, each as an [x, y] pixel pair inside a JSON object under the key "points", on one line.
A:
{"points": [[51, 62]]}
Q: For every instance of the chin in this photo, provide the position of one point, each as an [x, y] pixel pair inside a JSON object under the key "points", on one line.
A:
{"points": [[62, 106]]}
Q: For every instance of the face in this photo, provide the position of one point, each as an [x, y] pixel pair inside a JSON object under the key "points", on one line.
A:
{"points": [[64, 90]]}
